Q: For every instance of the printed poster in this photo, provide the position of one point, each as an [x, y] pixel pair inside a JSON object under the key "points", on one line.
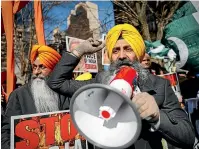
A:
{"points": [[53, 130], [88, 63]]}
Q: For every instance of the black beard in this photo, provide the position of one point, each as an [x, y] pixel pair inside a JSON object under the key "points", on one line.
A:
{"points": [[143, 73]]}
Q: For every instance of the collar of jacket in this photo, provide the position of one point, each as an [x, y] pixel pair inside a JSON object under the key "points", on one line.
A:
{"points": [[148, 86]]}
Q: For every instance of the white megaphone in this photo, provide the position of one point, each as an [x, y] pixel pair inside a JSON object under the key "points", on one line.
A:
{"points": [[105, 115]]}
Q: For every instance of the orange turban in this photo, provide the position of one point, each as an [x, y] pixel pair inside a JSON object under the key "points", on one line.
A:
{"points": [[130, 35], [47, 55]]}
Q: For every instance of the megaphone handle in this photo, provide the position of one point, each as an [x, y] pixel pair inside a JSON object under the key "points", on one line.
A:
{"points": [[113, 101]]}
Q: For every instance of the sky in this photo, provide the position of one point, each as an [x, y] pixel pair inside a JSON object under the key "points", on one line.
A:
{"points": [[105, 12]]}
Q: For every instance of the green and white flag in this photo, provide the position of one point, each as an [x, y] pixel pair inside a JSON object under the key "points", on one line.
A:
{"points": [[158, 50], [187, 9], [182, 35]]}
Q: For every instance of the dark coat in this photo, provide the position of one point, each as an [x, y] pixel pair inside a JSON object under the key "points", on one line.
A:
{"points": [[21, 102], [175, 126]]}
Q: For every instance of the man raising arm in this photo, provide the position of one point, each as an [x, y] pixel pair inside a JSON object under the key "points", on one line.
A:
{"points": [[126, 47]]}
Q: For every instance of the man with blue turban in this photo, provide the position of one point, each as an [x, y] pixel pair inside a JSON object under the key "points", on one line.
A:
{"points": [[126, 47]]}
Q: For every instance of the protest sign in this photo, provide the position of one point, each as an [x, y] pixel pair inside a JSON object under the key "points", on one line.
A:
{"points": [[88, 63], [54, 130]]}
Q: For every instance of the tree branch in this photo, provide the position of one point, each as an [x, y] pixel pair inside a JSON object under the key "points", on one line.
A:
{"points": [[127, 5]]}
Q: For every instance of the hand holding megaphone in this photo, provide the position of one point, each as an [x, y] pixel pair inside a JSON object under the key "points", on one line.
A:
{"points": [[126, 81], [147, 106]]}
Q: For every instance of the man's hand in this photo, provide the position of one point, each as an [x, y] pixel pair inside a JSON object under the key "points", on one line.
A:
{"points": [[147, 106], [89, 46]]}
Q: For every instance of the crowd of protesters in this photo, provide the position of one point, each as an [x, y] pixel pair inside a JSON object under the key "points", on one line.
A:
{"points": [[124, 45]]}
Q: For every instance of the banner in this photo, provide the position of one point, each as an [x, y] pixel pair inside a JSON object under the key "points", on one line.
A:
{"points": [[88, 63], [53, 130]]}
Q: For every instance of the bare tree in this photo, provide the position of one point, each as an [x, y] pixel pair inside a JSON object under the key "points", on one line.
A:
{"points": [[25, 35], [51, 19], [138, 12], [163, 13]]}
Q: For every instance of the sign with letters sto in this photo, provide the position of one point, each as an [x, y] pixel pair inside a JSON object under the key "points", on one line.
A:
{"points": [[53, 130]]}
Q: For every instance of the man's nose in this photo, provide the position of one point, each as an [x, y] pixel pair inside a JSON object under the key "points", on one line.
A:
{"points": [[122, 55], [37, 71]]}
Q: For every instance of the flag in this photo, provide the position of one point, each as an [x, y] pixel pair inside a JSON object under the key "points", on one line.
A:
{"points": [[182, 35], [39, 23]]}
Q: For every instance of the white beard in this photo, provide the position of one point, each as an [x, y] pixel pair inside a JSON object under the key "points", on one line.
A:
{"points": [[45, 99]]}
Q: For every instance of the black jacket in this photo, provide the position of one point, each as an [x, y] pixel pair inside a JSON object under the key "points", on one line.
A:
{"points": [[175, 126], [21, 102]]}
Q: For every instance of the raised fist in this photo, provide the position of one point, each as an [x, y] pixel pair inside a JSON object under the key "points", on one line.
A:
{"points": [[89, 46]]}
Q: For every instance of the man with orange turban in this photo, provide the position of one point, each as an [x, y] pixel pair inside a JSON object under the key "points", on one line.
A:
{"points": [[35, 96], [158, 106]]}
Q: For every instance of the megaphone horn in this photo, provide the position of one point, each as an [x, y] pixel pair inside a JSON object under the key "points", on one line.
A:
{"points": [[105, 116]]}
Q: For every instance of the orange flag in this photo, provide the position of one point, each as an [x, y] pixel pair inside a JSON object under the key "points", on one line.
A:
{"points": [[39, 23], [7, 14], [18, 5], [9, 8]]}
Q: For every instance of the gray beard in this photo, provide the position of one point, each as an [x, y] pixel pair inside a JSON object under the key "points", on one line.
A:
{"points": [[45, 99], [143, 74]]}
